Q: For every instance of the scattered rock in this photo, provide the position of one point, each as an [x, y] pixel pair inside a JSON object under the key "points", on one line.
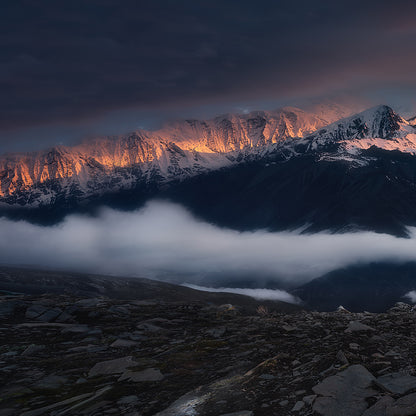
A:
{"points": [[195, 358], [342, 358], [216, 332], [267, 377]]}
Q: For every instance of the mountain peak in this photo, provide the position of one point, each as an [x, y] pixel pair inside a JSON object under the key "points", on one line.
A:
{"points": [[412, 121], [376, 122], [380, 109], [381, 121]]}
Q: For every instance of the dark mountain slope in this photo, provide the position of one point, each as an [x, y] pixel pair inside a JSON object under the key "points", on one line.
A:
{"points": [[27, 281], [372, 287], [332, 195]]}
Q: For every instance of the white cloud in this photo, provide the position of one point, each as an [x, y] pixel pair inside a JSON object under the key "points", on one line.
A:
{"points": [[411, 296], [165, 241], [259, 294]]}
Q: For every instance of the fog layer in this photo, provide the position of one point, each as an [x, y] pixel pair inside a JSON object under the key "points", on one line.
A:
{"points": [[165, 241]]}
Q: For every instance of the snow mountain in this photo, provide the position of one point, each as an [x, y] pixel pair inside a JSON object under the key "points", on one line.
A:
{"points": [[277, 170], [177, 151]]}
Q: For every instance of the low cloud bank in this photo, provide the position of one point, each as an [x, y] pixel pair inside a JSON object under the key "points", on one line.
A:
{"points": [[165, 241], [259, 294]]}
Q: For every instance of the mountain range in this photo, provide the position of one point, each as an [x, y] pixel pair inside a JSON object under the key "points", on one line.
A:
{"points": [[278, 170]]}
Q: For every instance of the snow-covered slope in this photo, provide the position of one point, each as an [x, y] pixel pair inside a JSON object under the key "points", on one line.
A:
{"points": [[379, 126], [188, 148], [238, 132], [177, 151]]}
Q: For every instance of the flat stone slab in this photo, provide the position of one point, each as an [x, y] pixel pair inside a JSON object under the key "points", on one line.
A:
{"points": [[356, 326], [8, 307], [49, 315], [387, 406], [128, 399], [45, 324], [35, 310], [77, 329], [150, 374], [396, 383], [344, 394], [124, 343], [90, 302], [380, 408], [298, 406], [117, 366], [51, 382], [32, 349]]}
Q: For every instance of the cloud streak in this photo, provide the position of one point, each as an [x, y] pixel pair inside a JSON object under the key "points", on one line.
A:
{"points": [[259, 294], [165, 241]]}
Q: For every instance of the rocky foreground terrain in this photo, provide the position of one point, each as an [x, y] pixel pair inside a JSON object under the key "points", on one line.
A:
{"points": [[63, 354]]}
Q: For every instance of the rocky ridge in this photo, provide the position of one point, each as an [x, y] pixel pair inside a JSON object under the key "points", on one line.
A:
{"points": [[74, 355], [177, 151]]}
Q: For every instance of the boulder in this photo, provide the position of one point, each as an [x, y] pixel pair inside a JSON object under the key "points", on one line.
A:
{"points": [[344, 394]]}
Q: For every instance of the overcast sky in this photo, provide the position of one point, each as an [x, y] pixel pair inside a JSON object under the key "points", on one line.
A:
{"points": [[74, 68]]}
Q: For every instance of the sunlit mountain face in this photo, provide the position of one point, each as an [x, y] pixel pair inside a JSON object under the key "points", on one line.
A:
{"points": [[177, 151]]}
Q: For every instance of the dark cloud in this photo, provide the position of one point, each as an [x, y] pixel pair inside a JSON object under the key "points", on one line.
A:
{"points": [[68, 60], [165, 241]]}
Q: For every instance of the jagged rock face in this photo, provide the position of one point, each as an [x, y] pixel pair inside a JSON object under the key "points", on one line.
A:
{"points": [[189, 148], [379, 122], [179, 150], [238, 132]]}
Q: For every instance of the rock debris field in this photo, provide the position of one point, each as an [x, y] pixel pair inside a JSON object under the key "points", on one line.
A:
{"points": [[72, 355]]}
